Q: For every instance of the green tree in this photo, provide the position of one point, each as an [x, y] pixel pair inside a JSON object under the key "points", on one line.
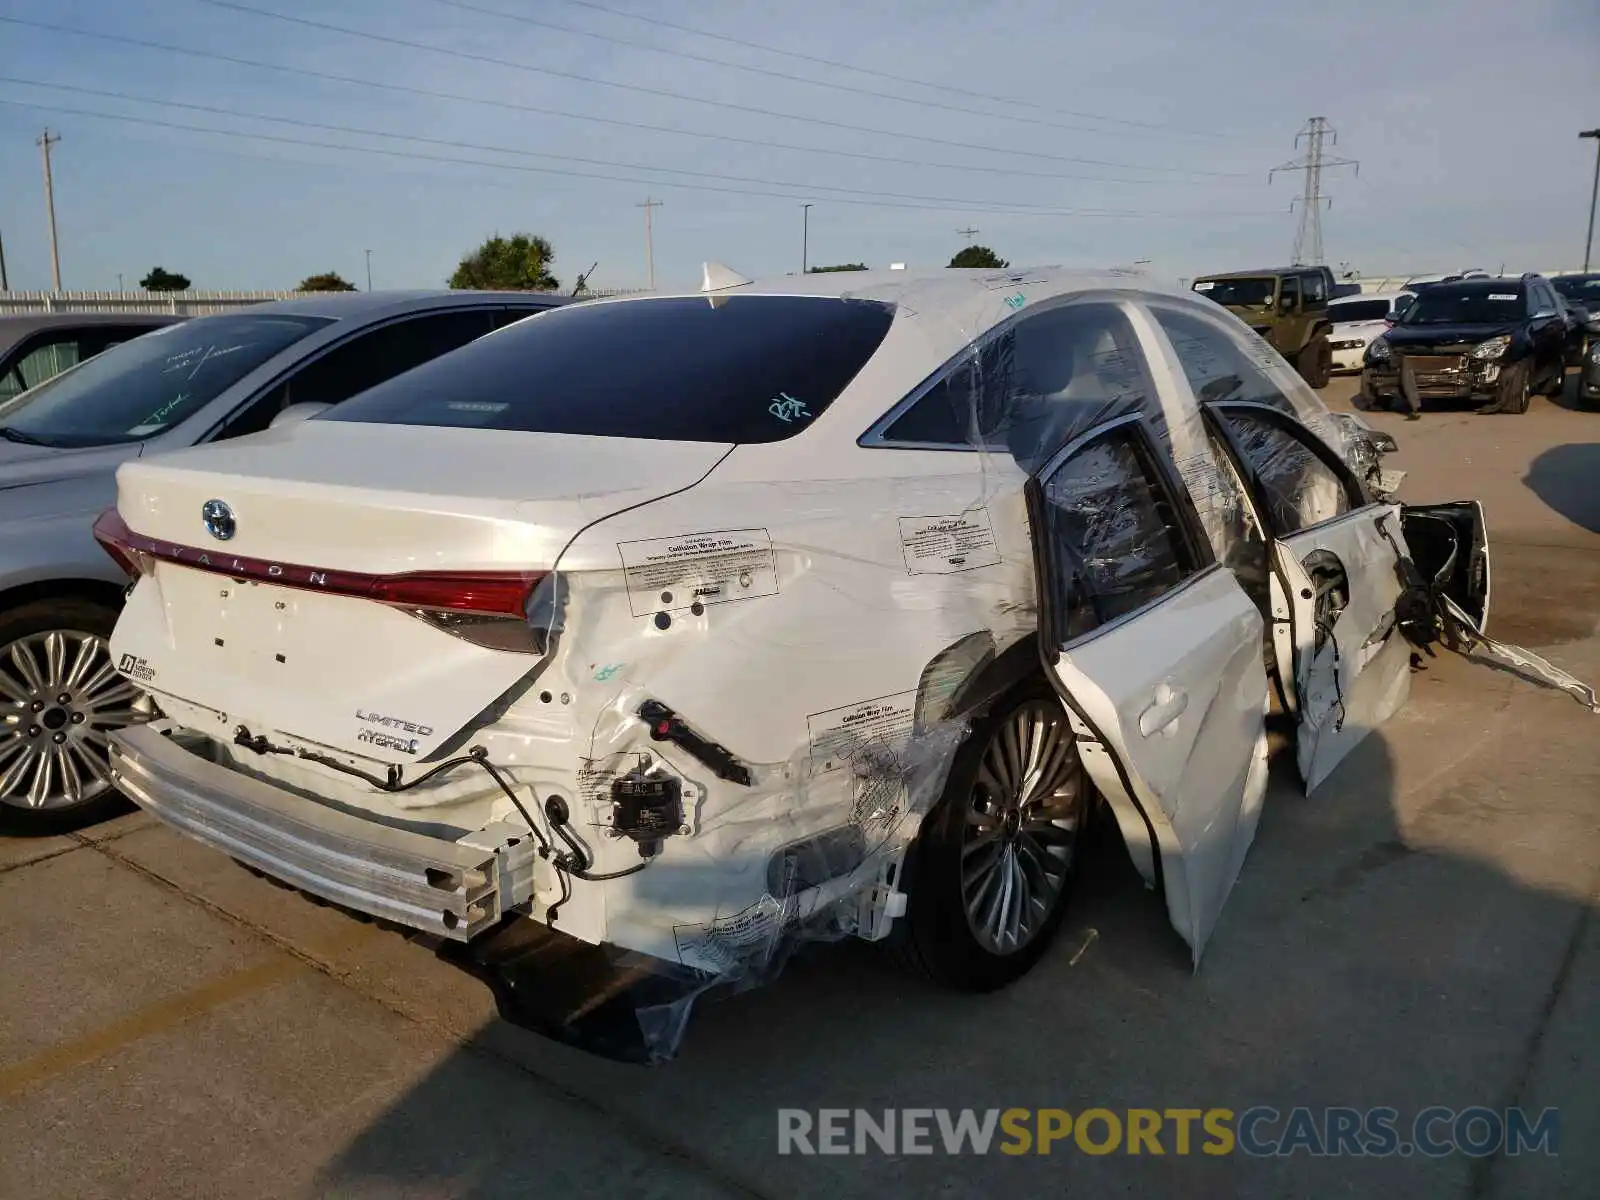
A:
{"points": [[841, 267], [519, 263], [979, 256], [162, 280], [330, 281]]}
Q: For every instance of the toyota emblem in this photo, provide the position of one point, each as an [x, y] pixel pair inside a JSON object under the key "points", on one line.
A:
{"points": [[218, 518]]}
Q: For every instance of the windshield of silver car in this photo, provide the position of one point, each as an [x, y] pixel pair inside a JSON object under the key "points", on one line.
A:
{"points": [[152, 383]]}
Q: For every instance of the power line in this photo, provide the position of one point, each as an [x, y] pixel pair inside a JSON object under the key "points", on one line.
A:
{"points": [[663, 93], [473, 162], [515, 106], [768, 73], [1308, 237], [876, 74], [456, 144]]}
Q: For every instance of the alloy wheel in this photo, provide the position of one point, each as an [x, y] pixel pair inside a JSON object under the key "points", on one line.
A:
{"points": [[60, 695], [1022, 824]]}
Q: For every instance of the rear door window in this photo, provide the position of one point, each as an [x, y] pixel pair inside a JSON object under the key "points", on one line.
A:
{"points": [[1114, 540], [742, 369], [365, 360], [1034, 387]]}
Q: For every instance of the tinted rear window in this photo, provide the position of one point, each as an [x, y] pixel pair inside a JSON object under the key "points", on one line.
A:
{"points": [[742, 369], [1358, 310]]}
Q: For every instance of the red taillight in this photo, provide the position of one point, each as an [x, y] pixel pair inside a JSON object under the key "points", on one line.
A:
{"points": [[486, 593], [461, 593], [112, 532]]}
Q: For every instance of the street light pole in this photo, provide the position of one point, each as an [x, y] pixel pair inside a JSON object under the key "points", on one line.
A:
{"points": [[369, 270], [805, 237], [1594, 191]]}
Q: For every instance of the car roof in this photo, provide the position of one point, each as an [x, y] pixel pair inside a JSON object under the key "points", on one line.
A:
{"points": [[369, 306], [1355, 299], [1259, 271], [1508, 282], [951, 290], [20, 325], [14, 329]]}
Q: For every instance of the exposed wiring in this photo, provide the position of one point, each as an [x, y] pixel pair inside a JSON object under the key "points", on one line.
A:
{"points": [[574, 863]]}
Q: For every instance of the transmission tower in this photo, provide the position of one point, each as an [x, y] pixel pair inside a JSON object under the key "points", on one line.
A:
{"points": [[1318, 135]]}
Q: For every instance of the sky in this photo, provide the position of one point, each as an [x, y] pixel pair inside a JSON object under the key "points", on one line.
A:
{"points": [[1085, 133]]}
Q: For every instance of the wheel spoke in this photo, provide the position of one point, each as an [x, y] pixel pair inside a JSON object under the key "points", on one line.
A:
{"points": [[27, 666], [11, 689], [88, 650], [104, 674], [71, 780], [39, 788], [55, 659]]}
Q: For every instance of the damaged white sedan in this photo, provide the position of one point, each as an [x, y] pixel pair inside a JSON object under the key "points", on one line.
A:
{"points": [[697, 624]]}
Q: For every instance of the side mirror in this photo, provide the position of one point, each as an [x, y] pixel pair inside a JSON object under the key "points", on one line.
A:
{"points": [[296, 413]]}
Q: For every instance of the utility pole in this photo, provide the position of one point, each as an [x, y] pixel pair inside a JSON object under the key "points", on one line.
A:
{"points": [[805, 237], [1318, 135], [369, 270], [119, 281], [649, 244], [1594, 191], [45, 142], [5, 284]]}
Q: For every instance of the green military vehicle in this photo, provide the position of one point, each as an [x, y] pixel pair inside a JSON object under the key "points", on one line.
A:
{"points": [[1288, 306]]}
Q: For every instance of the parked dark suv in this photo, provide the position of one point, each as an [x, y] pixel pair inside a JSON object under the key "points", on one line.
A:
{"points": [[1494, 341]]}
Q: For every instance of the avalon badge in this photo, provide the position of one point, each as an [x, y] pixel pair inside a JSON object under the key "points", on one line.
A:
{"points": [[218, 518]]}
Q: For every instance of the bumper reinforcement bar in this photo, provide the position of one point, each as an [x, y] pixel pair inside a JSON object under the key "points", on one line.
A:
{"points": [[452, 889]]}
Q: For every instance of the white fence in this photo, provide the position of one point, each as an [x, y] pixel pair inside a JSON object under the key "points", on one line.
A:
{"points": [[192, 304]]}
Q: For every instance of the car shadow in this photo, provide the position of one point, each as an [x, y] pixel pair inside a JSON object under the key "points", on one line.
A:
{"points": [[1567, 478], [1356, 963]]}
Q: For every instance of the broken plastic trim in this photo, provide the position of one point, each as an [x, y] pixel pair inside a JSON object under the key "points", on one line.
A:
{"points": [[667, 726]]}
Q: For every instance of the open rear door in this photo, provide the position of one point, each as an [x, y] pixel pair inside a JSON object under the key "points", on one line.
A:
{"points": [[1344, 663], [1157, 653], [1352, 666]]}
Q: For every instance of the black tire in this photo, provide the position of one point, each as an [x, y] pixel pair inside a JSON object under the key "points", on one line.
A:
{"points": [[1511, 391], [1558, 384], [1315, 362], [936, 938], [80, 615]]}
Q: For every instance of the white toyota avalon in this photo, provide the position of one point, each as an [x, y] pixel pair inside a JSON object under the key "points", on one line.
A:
{"points": [[692, 624]]}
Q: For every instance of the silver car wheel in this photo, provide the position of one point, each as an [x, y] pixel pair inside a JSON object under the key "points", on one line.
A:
{"points": [[60, 695], [1021, 832]]}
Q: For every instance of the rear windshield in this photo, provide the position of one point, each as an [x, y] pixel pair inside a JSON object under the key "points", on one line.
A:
{"points": [[146, 386], [1468, 304], [731, 369], [1358, 310]]}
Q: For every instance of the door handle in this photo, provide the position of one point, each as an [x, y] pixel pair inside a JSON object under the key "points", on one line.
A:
{"points": [[1167, 708]]}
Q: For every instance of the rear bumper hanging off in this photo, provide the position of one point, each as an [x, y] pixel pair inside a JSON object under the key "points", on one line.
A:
{"points": [[451, 889]]}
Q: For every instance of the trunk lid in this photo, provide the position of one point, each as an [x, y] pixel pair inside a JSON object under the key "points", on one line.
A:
{"points": [[294, 621]]}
